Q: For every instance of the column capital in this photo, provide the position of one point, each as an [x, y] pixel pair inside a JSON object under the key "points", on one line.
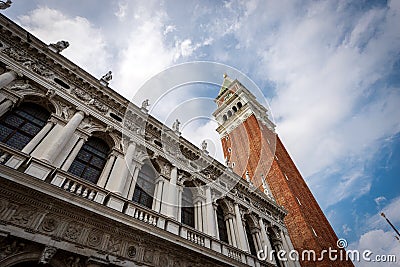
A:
{"points": [[82, 111], [17, 72]]}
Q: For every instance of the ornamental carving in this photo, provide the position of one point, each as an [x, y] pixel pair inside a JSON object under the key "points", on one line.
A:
{"points": [[163, 260], [73, 231], [10, 248], [29, 63], [95, 238], [3, 205], [114, 245], [47, 254], [148, 256], [74, 261], [131, 252], [49, 224], [82, 95], [23, 216]]}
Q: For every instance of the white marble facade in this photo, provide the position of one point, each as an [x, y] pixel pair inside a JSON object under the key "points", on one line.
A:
{"points": [[80, 107]]}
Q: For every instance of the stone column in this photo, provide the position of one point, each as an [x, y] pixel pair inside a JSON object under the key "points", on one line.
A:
{"points": [[158, 194], [38, 138], [266, 245], [287, 248], [215, 207], [210, 218], [133, 181], [7, 77], [106, 170], [241, 231], [126, 171], [62, 138], [232, 232], [73, 154], [120, 171], [172, 200], [198, 214], [6, 106], [179, 213]]}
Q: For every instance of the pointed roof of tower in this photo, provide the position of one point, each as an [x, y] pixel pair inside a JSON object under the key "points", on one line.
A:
{"points": [[225, 85]]}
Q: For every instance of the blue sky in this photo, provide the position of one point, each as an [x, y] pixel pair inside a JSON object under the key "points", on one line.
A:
{"points": [[329, 69]]}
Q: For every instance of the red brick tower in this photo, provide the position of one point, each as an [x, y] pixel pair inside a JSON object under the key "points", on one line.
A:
{"points": [[256, 153]]}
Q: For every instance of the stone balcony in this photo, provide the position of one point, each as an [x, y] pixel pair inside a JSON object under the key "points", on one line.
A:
{"points": [[20, 169]]}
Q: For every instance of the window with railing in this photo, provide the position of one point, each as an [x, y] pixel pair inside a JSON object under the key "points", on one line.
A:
{"points": [[90, 161], [144, 189], [20, 125]]}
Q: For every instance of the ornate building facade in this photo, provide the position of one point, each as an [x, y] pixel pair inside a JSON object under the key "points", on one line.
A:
{"points": [[89, 179]]}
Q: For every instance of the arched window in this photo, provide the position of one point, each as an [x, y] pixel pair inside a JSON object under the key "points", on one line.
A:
{"points": [[19, 126], [253, 250], [187, 212], [224, 117], [90, 161], [222, 230], [144, 189], [229, 113], [239, 105], [234, 109]]}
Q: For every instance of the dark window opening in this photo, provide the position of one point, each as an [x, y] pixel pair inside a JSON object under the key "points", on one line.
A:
{"points": [[91, 159], [250, 239], [222, 230], [239, 105], [229, 113], [234, 109], [63, 84], [19, 126], [145, 185], [187, 211], [116, 117]]}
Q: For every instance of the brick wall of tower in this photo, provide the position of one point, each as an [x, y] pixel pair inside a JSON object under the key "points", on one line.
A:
{"points": [[256, 149]]}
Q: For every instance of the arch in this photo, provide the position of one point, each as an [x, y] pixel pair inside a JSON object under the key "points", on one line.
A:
{"points": [[239, 105], [21, 258], [187, 207], [224, 118], [145, 185], [91, 159], [41, 100], [234, 108], [229, 113], [21, 124]]}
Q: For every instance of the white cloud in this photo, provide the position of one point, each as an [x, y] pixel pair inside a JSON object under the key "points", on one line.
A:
{"points": [[380, 243], [87, 44], [323, 64], [121, 12], [169, 28], [381, 240], [380, 200], [346, 229], [144, 52]]}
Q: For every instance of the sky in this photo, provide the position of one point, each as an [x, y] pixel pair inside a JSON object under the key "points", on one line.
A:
{"points": [[329, 71]]}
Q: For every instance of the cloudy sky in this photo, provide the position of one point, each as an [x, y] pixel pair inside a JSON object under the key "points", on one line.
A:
{"points": [[330, 71]]}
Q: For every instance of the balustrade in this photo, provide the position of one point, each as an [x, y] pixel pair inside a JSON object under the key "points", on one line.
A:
{"points": [[86, 190]]}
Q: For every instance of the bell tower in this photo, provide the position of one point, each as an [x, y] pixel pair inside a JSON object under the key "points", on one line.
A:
{"points": [[255, 152]]}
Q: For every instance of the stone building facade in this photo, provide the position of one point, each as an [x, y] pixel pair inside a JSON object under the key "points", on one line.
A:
{"points": [[89, 179]]}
